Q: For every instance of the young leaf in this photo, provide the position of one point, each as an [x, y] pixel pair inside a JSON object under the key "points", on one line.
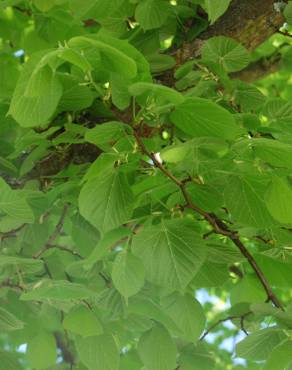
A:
{"points": [[128, 274], [157, 350]]}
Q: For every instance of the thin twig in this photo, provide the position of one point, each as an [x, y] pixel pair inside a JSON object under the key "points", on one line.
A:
{"points": [[218, 225], [284, 33], [241, 317]]}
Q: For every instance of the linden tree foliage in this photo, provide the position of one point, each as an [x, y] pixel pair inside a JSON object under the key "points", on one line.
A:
{"points": [[146, 189]]}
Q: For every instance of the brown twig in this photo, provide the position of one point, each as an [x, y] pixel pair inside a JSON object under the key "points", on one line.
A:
{"points": [[284, 33], [218, 225], [241, 317]]}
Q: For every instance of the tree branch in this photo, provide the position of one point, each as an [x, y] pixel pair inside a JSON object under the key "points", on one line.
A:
{"points": [[218, 225], [241, 317], [250, 22]]}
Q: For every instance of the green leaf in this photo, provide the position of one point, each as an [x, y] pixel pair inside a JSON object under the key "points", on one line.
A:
{"points": [[128, 274], [279, 199], [99, 352], [43, 343], [274, 152], [8, 321], [157, 350], [288, 12], [104, 246], [280, 357], [44, 5], [107, 200], [248, 289], [198, 357], [187, 313], [259, 344], [113, 59], [9, 361], [216, 8], [152, 13], [27, 265], [225, 52], [200, 117], [61, 290], [106, 134], [83, 322], [158, 91], [172, 253], [36, 96], [14, 204], [245, 201]]}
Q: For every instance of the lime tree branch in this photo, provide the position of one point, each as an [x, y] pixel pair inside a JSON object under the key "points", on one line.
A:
{"points": [[241, 317], [218, 225]]}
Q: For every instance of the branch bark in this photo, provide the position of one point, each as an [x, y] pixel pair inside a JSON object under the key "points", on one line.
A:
{"points": [[250, 22]]}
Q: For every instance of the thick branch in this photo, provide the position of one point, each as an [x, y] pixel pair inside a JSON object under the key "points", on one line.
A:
{"points": [[218, 225], [250, 22]]}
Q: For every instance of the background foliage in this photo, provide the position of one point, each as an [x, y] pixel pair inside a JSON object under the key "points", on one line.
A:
{"points": [[145, 191]]}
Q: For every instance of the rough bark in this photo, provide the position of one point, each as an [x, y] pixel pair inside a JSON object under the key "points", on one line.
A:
{"points": [[250, 22]]}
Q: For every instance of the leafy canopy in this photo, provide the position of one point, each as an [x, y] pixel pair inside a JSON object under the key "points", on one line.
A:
{"points": [[145, 198]]}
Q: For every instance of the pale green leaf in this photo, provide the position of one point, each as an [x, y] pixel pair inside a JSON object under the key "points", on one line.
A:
{"points": [[99, 352], [42, 351], [8, 321], [280, 357], [113, 59], [61, 290], [172, 253], [259, 344], [196, 357], [82, 321], [128, 274], [107, 200], [158, 91], [36, 96], [8, 361], [157, 350], [187, 313]]}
